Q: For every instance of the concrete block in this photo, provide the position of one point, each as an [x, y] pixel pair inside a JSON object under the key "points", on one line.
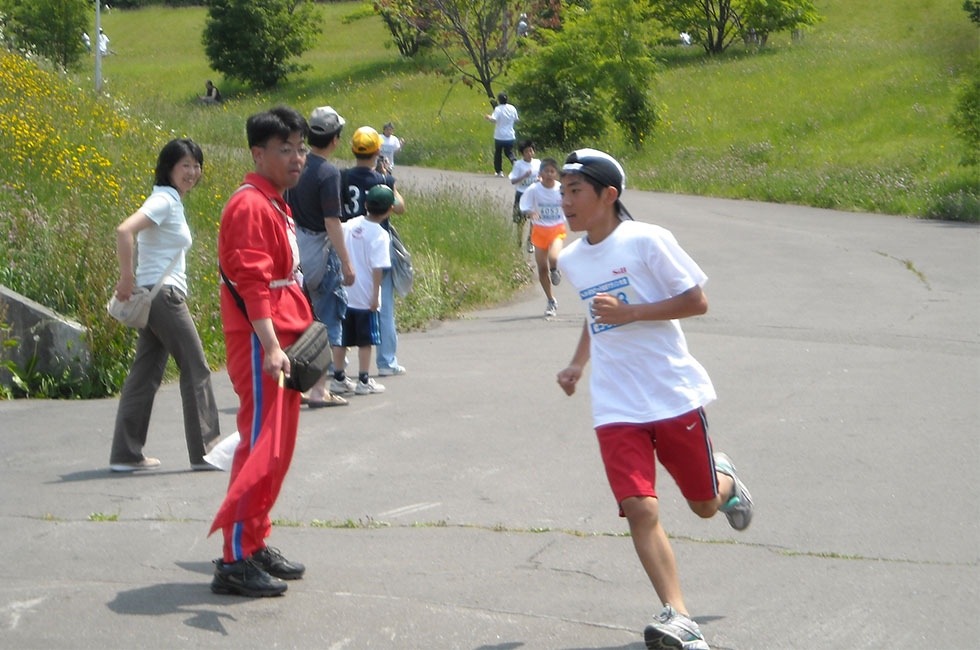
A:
{"points": [[58, 342]]}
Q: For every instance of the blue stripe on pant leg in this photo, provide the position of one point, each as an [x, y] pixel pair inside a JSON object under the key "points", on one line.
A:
{"points": [[375, 320], [256, 356]]}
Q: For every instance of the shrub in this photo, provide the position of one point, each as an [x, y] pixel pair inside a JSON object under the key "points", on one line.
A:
{"points": [[965, 119], [255, 41]]}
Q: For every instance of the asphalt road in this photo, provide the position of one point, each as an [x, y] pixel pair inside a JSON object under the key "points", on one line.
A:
{"points": [[467, 508]]}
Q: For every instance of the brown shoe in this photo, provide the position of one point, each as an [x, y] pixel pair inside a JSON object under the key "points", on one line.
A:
{"points": [[145, 463], [331, 399]]}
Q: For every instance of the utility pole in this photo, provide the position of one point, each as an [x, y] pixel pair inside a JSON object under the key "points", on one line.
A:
{"points": [[98, 46]]}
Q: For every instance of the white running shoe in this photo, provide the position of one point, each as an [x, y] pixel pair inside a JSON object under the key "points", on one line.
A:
{"points": [[342, 387], [738, 509], [388, 372], [552, 309], [555, 277], [672, 630], [369, 387]]}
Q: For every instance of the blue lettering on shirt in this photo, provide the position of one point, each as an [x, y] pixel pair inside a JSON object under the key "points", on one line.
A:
{"points": [[618, 287]]}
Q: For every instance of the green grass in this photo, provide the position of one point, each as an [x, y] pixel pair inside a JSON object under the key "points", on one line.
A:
{"points": [[78, 165], [853, 116]]}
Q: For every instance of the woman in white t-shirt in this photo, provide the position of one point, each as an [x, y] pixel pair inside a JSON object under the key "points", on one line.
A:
{"points": [[504, 117], [161, 234]]}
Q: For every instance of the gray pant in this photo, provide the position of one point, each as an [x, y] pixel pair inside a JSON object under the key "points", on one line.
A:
{"points": [[169, 331]]}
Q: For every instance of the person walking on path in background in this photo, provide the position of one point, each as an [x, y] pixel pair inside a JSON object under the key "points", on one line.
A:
{"points": [[369, 245], [648, 392], [317, 209], [523, 175], [390, 144], [161, 231], [257, 256], [542, 204], [87, 41], [359, 179], [104, 44], [504, 117]]}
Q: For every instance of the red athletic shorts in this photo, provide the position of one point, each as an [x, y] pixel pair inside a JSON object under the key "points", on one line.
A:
{"points": [[629, 452]]}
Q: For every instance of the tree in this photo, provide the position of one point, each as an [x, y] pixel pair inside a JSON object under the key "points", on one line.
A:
{"points": [[51, 28], [715, 24], [597, 67], [254, 41], [553, 86], [763, 17], [409, 36], [972, 7], [712, 23], [478, 37], [965, 119]]}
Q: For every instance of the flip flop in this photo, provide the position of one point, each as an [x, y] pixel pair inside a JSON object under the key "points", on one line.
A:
{"points": [[332, 400]]}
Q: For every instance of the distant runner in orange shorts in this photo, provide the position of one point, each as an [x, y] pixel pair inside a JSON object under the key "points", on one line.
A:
{"points": [[542, 204]]}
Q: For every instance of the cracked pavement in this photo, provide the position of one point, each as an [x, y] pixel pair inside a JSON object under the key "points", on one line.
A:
{"points": [[467, 508]]}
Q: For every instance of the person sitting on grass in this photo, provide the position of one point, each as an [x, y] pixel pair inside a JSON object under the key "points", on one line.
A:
{"points": [[211, 94]]}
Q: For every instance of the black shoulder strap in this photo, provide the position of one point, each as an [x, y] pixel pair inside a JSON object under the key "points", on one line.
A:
{"points": [[234, 292]]}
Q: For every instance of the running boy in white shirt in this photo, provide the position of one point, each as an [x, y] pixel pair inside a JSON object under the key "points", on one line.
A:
{"points": [[542, 203], [368, 245], [648, 392], [523, 175]]}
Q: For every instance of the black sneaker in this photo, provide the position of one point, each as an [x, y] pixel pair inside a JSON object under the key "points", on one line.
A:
{"points": [[273, 563], [245, 578]]}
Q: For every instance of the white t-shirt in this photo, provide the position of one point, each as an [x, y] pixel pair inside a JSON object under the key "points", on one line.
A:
{"points": [[504, 117], [390, 145], [156, 247], [520, 168], [546, 202], [641, 371], [368, 245]]}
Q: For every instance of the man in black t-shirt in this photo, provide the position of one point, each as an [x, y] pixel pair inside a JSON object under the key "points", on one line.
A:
{"points": [[316, 206]]}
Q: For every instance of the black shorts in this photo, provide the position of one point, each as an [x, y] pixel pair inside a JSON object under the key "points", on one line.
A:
{"points": [[518, 215], [361, 328]]}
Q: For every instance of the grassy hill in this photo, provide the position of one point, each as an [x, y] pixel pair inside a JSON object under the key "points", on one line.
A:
{"points": [[852, 116]]}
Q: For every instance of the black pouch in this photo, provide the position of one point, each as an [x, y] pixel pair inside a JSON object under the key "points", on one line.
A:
{"points": [[309, 357]]}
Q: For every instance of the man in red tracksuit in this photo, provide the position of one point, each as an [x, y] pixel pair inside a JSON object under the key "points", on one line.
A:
{"points": [[257, 254]]}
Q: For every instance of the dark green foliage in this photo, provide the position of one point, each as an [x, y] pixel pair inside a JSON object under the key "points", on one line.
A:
{"points": [[965, 119], [52, 28], [590, 71], [716, 24], [409, 36], [558, 104], [255, 41], [972, 7]]}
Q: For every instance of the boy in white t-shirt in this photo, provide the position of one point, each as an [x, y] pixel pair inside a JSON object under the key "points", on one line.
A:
{"points": [[368, 245], [542, 204], [390, 144], [648, 392], [523, 175]]}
